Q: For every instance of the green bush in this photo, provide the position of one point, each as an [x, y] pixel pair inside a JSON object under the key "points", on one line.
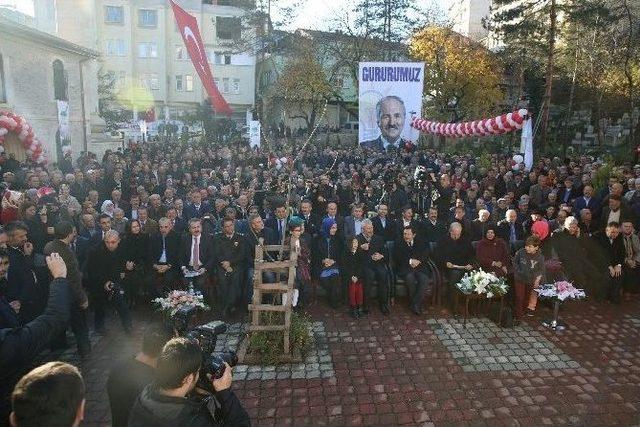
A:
{"points": [[268, 346]]}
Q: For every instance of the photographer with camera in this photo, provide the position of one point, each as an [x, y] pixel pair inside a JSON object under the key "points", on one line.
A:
{"points": [[174, 400], [128, 378], [20, 345]]}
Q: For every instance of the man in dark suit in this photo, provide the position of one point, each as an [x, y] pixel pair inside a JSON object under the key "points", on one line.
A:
{"points": [[412, 256], [612, 260], [407, 220], [374, 267], [353, 223], [197, 208], [278, 223], [434, 229], [615, 212], [588, 201], [198, 253], [229, 255], [310, 219], [22, 284], [383, 226], [511, 230], [164, 257], [568, 193], [390, 115], [148, 225], [256, 231], [332, 212], [479, 225], [178, 225]]}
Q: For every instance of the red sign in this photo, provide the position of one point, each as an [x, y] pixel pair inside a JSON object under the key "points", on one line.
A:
{"points": [[188, 27]]}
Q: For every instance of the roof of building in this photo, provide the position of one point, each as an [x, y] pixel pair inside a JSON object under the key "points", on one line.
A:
{"points": [[16, 29]]}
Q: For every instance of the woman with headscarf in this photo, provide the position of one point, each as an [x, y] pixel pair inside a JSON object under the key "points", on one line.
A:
{"points": [[108, 208], [135, 248], [492, 253], [328, 252]]}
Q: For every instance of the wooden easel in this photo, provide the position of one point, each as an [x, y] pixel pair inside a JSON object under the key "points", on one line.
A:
{"points": [[256, 308]]}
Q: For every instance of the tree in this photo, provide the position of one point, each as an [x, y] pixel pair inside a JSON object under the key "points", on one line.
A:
{"points": [[389, 20], [107, 100], [303, 87], [462, 77]]}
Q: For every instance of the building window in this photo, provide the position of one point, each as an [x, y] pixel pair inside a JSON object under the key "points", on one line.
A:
{"points": [[150, 81], [181, 53], [147, 18], [188, 80], [228, 28], [114, 15], [227, 60], [60, 82], [236, 86], [115, 47], [225, 85], [179, 83], [148, 50], [3, 93]]}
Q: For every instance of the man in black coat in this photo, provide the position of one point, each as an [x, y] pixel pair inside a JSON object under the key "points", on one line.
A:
{"points": [[309, 217], [19, 346], [375, 264], [278, 223], [105, 271], [197, 208], [229, 254], [256, 231], [383, 226], [434, 229], [165, 401], [611, 260], [412, 256], [164, 257], [511, 230], [22, 283]]}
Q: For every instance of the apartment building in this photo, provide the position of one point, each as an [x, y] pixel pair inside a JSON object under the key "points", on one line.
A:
{"points": [[466, 18], [140, 45]]}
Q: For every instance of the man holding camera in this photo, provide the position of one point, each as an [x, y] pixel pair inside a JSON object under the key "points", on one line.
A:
{"points": [[166, 401]]}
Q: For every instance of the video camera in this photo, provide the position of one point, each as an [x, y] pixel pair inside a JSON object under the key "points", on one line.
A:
{"points": [[206, 335], [420, 178]]}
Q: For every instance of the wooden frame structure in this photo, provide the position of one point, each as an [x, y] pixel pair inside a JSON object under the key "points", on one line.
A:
{"points": [[257, 307]]}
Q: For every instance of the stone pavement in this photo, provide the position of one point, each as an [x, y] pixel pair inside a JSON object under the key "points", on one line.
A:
{"points": [[408, 370]]}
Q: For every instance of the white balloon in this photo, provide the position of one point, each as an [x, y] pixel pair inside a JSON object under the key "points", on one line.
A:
{"points": [[518, 158]]}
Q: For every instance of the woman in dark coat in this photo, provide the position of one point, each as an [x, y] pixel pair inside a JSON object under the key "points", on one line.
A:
{"points": [[328, 253], [492, 254], [135, 247]]}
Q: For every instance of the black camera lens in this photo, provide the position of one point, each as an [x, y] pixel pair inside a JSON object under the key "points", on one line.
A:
{"points": [[215, 367]]}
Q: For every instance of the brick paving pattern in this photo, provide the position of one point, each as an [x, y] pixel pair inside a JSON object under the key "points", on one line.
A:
{"points": [[406, 370]]}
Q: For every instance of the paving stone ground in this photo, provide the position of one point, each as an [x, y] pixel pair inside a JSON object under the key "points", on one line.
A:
{"points": [[429, 371]]}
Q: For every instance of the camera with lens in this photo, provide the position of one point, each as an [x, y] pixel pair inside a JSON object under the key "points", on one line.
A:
{"points": [[213, 363], [420, 178]]}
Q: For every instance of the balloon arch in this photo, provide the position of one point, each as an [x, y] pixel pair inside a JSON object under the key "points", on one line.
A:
{"points": [[11, 122], [496, 126]]}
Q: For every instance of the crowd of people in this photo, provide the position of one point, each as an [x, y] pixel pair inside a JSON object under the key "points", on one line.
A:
{"points": [[131, 224]]}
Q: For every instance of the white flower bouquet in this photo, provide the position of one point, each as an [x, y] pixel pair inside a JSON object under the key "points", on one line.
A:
{"points": [[180, 300], [482, 283], [561, 290]]}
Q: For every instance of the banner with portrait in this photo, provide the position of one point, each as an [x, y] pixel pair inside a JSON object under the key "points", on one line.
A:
{"points": [[389, 93]]}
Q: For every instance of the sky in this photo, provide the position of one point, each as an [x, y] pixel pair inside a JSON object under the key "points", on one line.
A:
{"points": [[319, 14]]}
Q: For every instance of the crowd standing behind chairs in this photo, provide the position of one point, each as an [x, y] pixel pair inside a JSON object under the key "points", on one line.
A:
{"points": [[130, 224]]}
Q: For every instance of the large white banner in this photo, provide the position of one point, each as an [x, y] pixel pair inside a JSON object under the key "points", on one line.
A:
{"points": [[254, 133], [63, 120], [390, 92]]}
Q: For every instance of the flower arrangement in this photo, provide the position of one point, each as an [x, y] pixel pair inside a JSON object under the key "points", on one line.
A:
{"points": [[180, 300], [480, 282], [561, 290]]}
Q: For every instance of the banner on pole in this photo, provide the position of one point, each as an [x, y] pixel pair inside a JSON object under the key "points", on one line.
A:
{"points": [[526, 144], [63, 120], [188, 27], [254, 133], [390, 92]]}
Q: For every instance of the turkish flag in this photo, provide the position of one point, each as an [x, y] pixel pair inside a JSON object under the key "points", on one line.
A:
{"points": [[191, 35]]}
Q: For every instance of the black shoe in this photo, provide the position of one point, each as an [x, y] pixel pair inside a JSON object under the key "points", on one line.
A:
{"points": [[362, 312], [354, 312], [385, 310], [415, 310]]}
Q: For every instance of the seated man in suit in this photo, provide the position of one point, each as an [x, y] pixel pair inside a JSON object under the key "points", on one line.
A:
{"points": [[256, 231], [434, 229], [178, 225], [149, 226], [164, 255], [411, 262], [407, 220], [278, 223], [198, 254], [456, 254], [229, 253], [480, 225], [310, 219], [511, 230], [391, 115], [197, 208], [588, 201], [374, 268]]}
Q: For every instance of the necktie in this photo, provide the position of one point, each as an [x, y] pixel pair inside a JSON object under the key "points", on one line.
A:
{"points": [[196, 253]]}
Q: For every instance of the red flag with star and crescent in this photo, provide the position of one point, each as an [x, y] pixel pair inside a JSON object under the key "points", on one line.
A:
{"points": [[188, 27]]}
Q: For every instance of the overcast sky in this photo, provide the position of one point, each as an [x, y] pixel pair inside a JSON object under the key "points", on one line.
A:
{"points": [[318, 14]]}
